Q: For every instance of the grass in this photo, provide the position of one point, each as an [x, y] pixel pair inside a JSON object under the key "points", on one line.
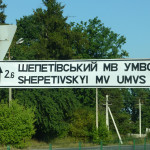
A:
{"points": [[70, 142], [67, 142]]}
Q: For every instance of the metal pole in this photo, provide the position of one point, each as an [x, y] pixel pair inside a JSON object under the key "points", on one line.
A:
{"points": [[119, 145], [79, 145], [10, 89], [10, 96], [107, 119], [8, 147], [96, 108], [140, 117], [101, 147], [50, 146], [145, 144], [134, 144], [20, 41]]}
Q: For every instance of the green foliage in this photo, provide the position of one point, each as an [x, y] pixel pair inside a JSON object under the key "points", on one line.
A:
{"points": [[131, 100], [2, 15], [124, 123], [148, 135], [46, 33], [16, 125], [47, 36], [145, 110], [85, 96], [102, 42], [53, 108], [83, 126], [116, 101], [102, 133], [82, 122]]}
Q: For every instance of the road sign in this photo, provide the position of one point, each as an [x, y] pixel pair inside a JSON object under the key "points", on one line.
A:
{"points": [[6, 35], [106, 73]]}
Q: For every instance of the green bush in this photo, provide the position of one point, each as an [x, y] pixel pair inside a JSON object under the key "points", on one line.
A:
{"points": [[16, 125], [82, 122], [83, 126], [102, 133]]}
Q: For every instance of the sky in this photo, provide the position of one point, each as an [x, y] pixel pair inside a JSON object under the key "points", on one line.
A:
{"points": [[130, 18]]}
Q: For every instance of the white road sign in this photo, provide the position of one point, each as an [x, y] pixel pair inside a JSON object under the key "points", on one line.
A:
{"points": [[113, 73], [6, 36]]}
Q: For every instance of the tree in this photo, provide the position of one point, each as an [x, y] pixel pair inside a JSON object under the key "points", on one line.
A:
{"points": [[102, 134], [53, 108], [145, 111], [116, 101], [102, 41], [16, 124], [46, 34], [85, 96], [82, 126], [2, 15], [131, 101], [55, 34], [82, 123]]}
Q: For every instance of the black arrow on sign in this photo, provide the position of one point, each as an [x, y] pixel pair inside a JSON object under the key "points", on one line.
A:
{"points": [[0, 73]]}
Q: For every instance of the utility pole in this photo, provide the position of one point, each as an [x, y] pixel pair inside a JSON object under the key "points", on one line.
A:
{"points": [[107, 112], [96, 108], [10, 89], [140, 117], [107, 117], [20, 41], [140, 120]]}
